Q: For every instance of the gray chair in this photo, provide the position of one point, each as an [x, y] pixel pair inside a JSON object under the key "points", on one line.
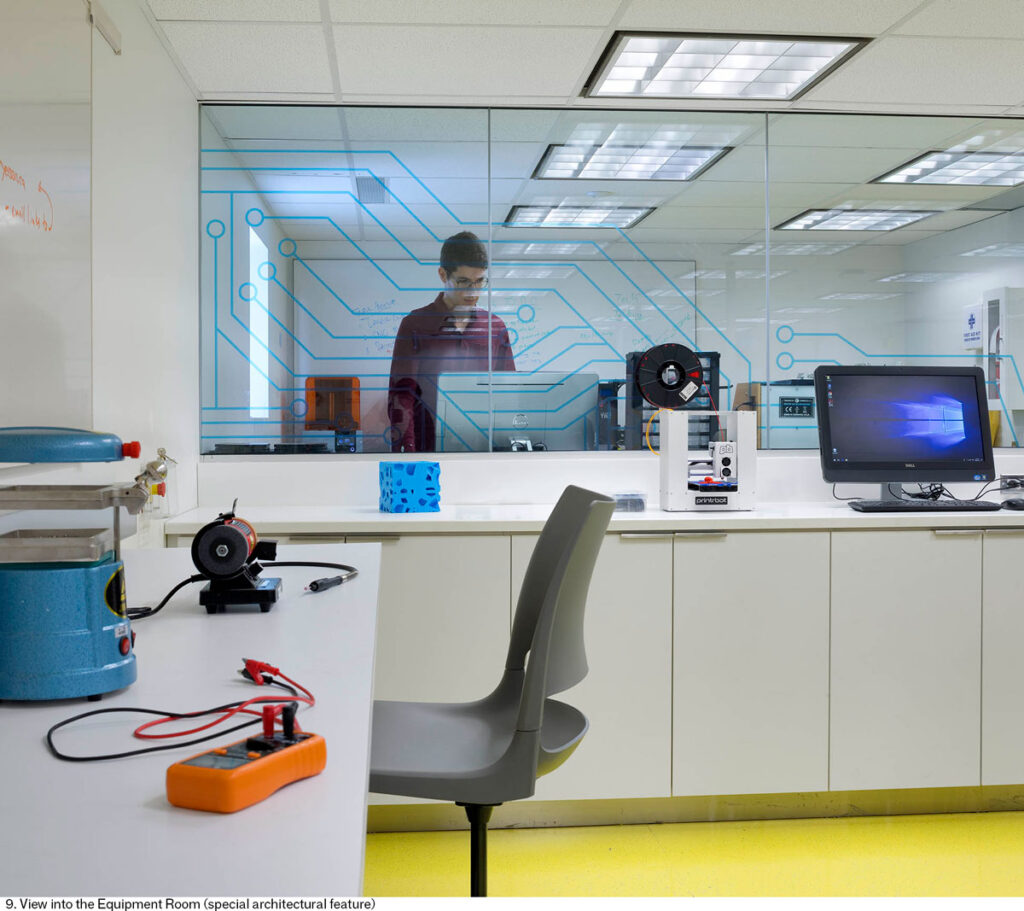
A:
{"points": [[481, 754]]}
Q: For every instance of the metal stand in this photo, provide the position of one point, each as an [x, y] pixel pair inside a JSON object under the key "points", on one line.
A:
{"points": [[478, 816]]}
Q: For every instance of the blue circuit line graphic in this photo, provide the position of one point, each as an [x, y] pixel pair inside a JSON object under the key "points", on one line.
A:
{"points": [[785, 360], [255, 216]]}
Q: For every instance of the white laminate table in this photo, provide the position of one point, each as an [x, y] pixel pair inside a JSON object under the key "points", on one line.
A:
{"points": [[106, 828]]}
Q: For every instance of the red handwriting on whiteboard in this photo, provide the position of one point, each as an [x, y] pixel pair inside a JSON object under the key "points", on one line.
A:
{"points": [[21, 203]]}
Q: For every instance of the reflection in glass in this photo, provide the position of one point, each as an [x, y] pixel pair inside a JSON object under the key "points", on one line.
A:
{"points": [[353, 206]]}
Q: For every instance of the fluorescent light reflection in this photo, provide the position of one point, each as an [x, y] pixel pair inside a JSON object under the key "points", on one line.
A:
{"points": [[575, 216], [808, 249], [853, 220], [980, 169]]}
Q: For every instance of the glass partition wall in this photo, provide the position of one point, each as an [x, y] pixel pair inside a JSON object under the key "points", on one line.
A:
{"points": [[448, 280]]}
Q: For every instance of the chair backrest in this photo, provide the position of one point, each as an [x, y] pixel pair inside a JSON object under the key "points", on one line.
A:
{"points": [[548, 623]]}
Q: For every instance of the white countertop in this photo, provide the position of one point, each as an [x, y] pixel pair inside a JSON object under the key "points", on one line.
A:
{"points": [[106, 829], [482, 519]]}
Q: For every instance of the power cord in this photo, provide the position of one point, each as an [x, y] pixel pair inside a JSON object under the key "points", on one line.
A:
{"points": [[925, 492], [253, 671], [141, 613]]}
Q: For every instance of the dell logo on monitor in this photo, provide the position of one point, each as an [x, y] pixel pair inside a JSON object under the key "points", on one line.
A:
{"points": [[909, 465]]}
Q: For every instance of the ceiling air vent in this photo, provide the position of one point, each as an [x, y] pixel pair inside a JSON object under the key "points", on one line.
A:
{"points": [[371, 190]]}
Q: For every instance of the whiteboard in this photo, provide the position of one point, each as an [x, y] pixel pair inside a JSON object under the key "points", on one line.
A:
{"points": [[45, 225]]}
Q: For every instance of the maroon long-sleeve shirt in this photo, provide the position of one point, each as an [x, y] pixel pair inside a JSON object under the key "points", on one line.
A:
{"points": [[428, 343]]}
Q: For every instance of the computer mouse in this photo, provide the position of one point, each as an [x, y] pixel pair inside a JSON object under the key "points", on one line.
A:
{"points": [[1014, 503]]}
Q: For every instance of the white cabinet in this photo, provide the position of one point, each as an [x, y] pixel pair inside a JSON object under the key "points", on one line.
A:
{"points": [[1002, 682], [443, 618], [750, 684], [626, 694], [906, 659]]}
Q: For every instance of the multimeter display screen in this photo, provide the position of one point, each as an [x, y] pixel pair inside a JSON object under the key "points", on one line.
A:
{"points": [[218, 761]]}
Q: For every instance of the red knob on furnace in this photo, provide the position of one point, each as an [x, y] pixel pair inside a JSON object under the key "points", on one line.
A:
{"points": [[131, 450]]}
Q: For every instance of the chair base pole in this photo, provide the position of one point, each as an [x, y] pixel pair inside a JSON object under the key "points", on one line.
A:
{"points": [[479, 815]]}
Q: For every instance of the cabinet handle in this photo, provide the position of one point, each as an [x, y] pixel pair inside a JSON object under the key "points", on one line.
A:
{"points": [[645, 535], [1004, 531], [701, 534], [956, 531], [371, 539]]}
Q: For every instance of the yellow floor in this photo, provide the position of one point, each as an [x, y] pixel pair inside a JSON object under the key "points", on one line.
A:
{"points": [[959, 854]]}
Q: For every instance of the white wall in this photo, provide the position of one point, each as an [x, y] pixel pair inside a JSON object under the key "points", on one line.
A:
{"points": [[144, 261]]}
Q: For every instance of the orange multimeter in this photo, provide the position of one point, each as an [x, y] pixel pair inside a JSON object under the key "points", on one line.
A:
{"points": [[231, 778]]}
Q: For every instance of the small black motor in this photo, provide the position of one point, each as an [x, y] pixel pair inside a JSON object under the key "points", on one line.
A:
{"points": [[227, 552]]}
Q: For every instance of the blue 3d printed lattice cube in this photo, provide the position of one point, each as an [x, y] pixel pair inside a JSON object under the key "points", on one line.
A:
{"points": [[410, 486]]}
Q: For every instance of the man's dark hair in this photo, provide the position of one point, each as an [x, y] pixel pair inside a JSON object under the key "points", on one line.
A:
{"points": [[463, 249]]}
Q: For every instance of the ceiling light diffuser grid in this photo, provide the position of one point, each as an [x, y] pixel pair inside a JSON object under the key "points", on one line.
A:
{"points": [[767, 67], [655, 160], [989, 168], [807, 249], [853, 219], [574, 216], [1016, 251]]}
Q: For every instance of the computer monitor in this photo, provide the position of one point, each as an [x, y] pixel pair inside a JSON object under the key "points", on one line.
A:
{"points": [[900, 424], [532, 411]]}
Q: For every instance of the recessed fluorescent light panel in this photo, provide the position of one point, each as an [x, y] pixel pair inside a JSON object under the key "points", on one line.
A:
{"points": [[925, 277], [772, 67], [655, 160], [858, 296], [808, 249], [978, 169], [568, 216], [853, 220], [1004, 249]]}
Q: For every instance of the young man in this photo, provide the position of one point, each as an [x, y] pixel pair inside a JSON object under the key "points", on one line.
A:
{"points": [[449, 335]]}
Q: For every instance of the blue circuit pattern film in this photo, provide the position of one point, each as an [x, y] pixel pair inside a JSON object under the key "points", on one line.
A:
{"points": [[326, 323], [786, 361]]}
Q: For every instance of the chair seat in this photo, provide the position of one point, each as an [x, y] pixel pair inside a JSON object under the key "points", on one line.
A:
{"points": [[453, 751]]}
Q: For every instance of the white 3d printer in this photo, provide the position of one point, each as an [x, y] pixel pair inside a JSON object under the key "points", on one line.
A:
{"points": [[723, 477]]}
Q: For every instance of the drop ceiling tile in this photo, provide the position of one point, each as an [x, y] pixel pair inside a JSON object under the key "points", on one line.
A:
{"points": [[466, 61], [950, 221], [237, 10], [941, 71], [454, 13], [709, 193], [852, 131], [414, 125], [674, 217], [252, 56], [701, 237], [261, 127], [956, 19], [797, 17], [809, 165]]}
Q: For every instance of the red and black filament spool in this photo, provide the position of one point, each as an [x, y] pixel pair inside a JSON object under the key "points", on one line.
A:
{"points": [[669, 376]]}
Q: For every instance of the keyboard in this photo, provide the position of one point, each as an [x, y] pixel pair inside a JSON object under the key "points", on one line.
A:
{"points": [[924, 505]]}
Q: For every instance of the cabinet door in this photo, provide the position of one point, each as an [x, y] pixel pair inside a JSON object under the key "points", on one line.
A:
{"points": [[1002, 670], [626, 694], [750, 684], [443, 619], [906, 659]]}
